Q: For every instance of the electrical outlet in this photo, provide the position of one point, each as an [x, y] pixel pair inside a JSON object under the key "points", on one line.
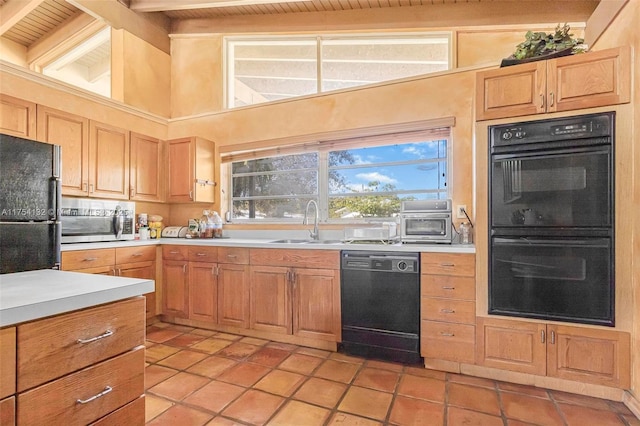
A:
{"points": [[460, 211]]}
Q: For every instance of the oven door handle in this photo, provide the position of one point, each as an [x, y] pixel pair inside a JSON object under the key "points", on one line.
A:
{"points": [[586, 242]]}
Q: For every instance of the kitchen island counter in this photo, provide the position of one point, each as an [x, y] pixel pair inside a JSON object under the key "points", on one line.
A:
{"points": [[26, 296]]}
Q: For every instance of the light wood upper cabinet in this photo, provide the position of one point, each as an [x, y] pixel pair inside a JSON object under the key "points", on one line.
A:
{"points": [[573, 353], [573, 82], [71, 132], [17, 117], [145, 178], [191, 170], [108, 161]]}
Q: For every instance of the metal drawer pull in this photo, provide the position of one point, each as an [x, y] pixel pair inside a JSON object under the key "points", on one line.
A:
{"points": [[93, 339], [174, 252], [448, 288], [232, 256], [136, 254], [448, 264], [106, 390], [90, 259], [442, 333], [201, 254], [447, 311], [552, 99]]}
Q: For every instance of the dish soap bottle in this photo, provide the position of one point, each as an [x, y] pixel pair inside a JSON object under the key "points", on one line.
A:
{"points": [[217, 224]]}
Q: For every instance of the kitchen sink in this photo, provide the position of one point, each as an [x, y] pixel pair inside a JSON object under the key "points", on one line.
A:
{"points": [[295, 241]]}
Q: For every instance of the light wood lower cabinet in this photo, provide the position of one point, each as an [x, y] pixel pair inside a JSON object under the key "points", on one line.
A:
{"points": [[7, 362], [580, 354], [448, 308], [203, 291], [132, 262], [233, 293], [304, 302], [77, 368]]}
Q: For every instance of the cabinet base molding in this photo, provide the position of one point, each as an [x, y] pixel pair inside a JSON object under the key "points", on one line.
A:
{"points": [[442, 365], [276, 337], [596, 391], [632, 403]]}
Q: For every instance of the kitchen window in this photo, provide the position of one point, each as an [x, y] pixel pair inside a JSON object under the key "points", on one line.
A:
{"points": [[351, 180], [269, 69]]}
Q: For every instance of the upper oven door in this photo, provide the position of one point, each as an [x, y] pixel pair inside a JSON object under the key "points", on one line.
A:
{"points": [[426, 225], [552, 188]]}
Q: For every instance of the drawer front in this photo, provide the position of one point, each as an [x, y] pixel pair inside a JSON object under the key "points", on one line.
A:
{"points": [[320, 259], [175, 252], [135, 254], [83, 259], [236, 255], [58, 402], [7, 361], [447, 286], [55, 342], [203, 254], [131, 414], [452, 342], [457, 311], [448, 264]]}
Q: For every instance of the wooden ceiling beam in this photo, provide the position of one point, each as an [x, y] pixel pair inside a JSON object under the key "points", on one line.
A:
{"points": [[436, 16], [164, 6], [12, 12], [152, 28]]}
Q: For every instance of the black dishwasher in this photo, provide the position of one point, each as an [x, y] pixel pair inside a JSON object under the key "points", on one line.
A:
{"points": [[380, 298]]}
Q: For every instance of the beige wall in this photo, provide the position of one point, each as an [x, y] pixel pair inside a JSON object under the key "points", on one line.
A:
{"points": [[623, 31], [13, 52]]}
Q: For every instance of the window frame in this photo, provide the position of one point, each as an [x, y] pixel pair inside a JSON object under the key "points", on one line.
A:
{"points": [[228, 48]]}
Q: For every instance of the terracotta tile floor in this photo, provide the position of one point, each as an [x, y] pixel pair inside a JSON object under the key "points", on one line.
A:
{"points": [[201, 377]]}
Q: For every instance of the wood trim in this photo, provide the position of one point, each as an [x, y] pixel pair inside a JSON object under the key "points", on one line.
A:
{"points": [[632, 403], [7, 361], [601, 18]]}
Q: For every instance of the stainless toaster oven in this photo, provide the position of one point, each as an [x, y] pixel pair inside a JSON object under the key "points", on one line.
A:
{"points": [[426, 221], [90, 220]]}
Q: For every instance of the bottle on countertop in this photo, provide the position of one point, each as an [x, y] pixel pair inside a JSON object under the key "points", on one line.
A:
{"points": [[217, 224], [204, 221], [466, 233]]}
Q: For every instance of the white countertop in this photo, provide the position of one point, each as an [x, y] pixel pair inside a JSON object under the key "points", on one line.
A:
{"points": [[25, 296], [268, 243]]}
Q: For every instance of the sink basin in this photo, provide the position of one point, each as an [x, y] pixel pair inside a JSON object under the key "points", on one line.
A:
{"points": [[295, 241]]}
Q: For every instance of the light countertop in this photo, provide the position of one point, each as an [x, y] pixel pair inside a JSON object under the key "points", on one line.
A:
{"points": [[268, 243], [26, 296]]}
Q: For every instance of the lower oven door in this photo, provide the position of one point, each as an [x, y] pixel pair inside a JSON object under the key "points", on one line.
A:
{"points": [[568, 279]]}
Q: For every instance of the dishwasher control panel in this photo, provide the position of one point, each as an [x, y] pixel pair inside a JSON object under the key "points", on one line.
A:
{"points": [[381, 261]]}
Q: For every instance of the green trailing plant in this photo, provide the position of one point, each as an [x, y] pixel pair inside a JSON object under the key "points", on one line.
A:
{"points": [[541, 43]]}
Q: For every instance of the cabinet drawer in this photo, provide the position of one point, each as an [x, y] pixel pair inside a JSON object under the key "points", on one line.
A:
{"points": [[58, 402], [131, 414], [83, 259], [7, 362], [448, 264], [453, 342], [451, 287], [458, 311], [135, 254], [236, 255], [322, 259], [55, 342], [203, 254], [175, 252]]}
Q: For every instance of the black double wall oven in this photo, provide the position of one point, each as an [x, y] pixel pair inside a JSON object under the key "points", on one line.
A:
{"points": [[551, 219]]}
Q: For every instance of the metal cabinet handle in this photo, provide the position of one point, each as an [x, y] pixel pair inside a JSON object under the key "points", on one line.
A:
{"points": [[442, 333], [448, 264], [553, 338], [448, 288], [184, 268], [201, 254], [136, 255], [552, 99], [91, 188], [542, 336], [174, 252], [132, 192], [89, 259], [106, 390], [84, 186], [231, 256], [93, 339], [191, 195], [542, 100], [448, 311], [119, 274]]}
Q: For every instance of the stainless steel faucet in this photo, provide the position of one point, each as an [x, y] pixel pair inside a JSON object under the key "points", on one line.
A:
{"points": [[312, 233]]}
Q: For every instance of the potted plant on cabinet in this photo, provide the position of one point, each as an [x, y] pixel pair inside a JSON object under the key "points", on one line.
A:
{"points": [[540, 45]]}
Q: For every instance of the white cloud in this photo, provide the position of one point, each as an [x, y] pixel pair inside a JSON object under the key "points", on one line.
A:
{"points": [[375, 176]]}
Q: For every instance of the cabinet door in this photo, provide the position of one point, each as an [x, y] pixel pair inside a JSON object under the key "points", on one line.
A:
{"points": [[7, 362], [316, 304], [181, 170], [146, 166], [108, 161], [145, 270], [233, 295], [71, 132], [589, 80], [204, 171], [511, 91], [589, 355], [270, 299], [511, 345], [203, 292], [17, 117], [175, 288], [8, 411]]}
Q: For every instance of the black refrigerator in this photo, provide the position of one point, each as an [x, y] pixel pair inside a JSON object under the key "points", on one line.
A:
{"points": [[30, 186]]}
